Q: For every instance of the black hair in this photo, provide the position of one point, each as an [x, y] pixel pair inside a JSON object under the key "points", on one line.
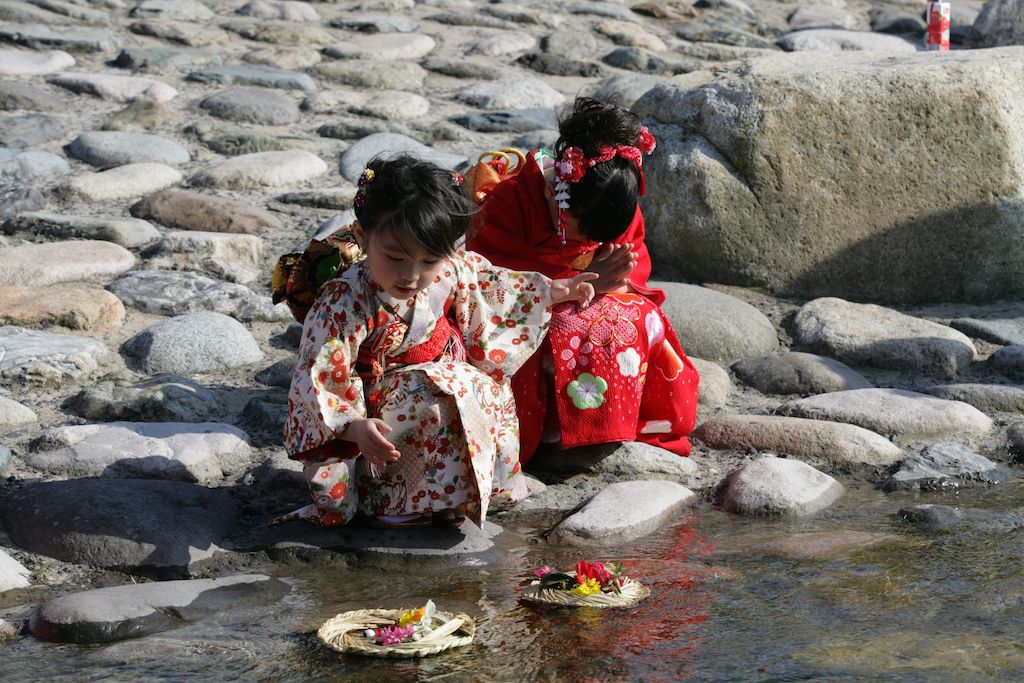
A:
{"points": [[604, 200], [415, 199]]}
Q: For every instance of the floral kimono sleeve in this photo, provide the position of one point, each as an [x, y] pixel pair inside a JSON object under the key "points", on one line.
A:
{"points": [[326, 393], [503, 314]]}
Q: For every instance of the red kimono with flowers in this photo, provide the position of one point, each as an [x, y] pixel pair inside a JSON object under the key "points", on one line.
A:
{"points": [[614, 371]]}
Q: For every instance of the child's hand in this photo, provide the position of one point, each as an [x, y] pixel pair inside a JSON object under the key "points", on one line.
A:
{"points": [[578, 288], [613, 263], [368, 434]]}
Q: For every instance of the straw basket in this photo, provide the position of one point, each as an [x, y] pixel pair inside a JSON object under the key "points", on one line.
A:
{"points": [[630, 593], [344, 633]]}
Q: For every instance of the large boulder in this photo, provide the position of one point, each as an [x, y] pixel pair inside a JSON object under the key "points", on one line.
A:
{"points": [[888, 178]]}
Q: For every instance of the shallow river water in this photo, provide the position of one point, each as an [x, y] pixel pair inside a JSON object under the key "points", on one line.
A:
{"points": [[918, 606]]}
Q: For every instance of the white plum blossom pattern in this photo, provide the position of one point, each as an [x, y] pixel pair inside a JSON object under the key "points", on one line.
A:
{"points": [[629, 362]]}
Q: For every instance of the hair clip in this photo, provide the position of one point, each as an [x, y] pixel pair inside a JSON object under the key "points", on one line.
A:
{"points": [[457, 179], [365, 178]]}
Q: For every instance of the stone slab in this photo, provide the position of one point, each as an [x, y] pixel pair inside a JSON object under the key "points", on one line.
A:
{"points": [[780, 487], [623, 512]]}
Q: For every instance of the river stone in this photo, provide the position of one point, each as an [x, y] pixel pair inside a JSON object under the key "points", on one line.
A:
{"points": [[821, 16], [101, 522], [383, 47], [262, 169], [498, 43], [988, 398], [623, 512], [253, 74], [160, 58], [69, 9], [866, 334], [12, 573], [131, 611], [536, 139], [715, 385], [35, 265], [32, 358], [943, 517], [279, 374], [945, 466], [716, 326], [631, 35], [183, 33], [192, 343], [512, 121], [28, 14], [629, 460], [604, 9], [285, 10], [571, 45], [522, 93], [373, 73], [474, 19], [642, 61], [138, 116], [797, 373], [337, 198], [113, 87], [77, 308], [818, 441], [204, 452], [27, 130], [393, 106], [121, 182], [841, 40], [75, 39], [18, 95], [525, 15], [161, 398], [386, 549], [780, 487], [163, 292], [229, 256], [105, 149], [896, 21], [820, 545], [5, 459], [1015, 435], [235, 140], [355, 158], [999, 23], [252, 106], [721, 31], [375, 23], [461, 68], [188, 210], [907, 415], [183, 10], [279, 32], [13, 414], [30, 164], [557, 66], [1009, 361], [127, 232], [291, 58], [624, 89], [736, 180], [14, 199], [1006, 331], [24, 63]]}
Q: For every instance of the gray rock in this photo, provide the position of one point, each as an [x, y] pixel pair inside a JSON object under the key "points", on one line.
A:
{"points": [[841, 40], [907, 415], [5, 459], [228, 256], [631, 35], [988, 398], [188, 210], [386, 549], [624, 89], [288, 58], [253, 74], [162, 58], [12, 573], [629, 460], [527, 16], [571, 45], [137, 116], [30, 164], [265, 417], [523, 93], [383, 47], [235, 140], [390, 105], [945, 466], [355, 158], [34, 265], [896, 21], [866, 334], [461, 68], [715, 30], [120, 183], [474, 18], [1006, 331], [999, 23], [798, 373], [105, 149], [18, 95], [28, 130], [821, 16], [77, 308], [623, 512], [491, 42], [780, 487], [32, 358], [114, 87], [930, 517], [375, 23], [27, 14], [736, 179], [204, 452], [514, 121], [26, 63], [110, 614], [834, 443], [1008, 361], [716, 326], [184, 10], [536, 139], [72, 10], [76, 39], [604, 9], [127, 232], [337, 198], [642, 61], [370, 73], [161, 398], [192, 343], [715, 385], [252, 106], [16, 198], [559, 66], [284, 10], [176, 293], [8, 632], [182, 33], [262, 169], [279, 374], [13, 414]]}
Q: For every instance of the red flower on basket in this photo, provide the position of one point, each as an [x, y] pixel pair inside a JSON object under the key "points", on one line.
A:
{"points": [[590, 578]]}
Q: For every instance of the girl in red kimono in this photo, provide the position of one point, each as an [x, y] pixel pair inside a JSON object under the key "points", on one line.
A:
{"points": [[614, 371]]}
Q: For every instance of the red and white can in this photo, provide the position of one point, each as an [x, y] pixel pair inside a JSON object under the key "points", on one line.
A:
{"points": [[937, 37]]}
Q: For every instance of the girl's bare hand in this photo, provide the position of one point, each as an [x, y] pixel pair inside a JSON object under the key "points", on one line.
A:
{"points": [[578, 288], [369, 435], [613, 263]]}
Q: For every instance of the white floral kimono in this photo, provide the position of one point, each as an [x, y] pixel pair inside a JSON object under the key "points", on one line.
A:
{"points": [[436, 369]]}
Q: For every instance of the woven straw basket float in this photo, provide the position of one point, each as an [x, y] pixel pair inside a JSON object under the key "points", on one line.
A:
{"points": [[630, 593], [344, 633]]}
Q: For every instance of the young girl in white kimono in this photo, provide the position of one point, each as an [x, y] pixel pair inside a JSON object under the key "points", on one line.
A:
{"points": [[400, 404]]}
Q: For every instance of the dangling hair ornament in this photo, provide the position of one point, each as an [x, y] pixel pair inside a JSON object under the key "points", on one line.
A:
{"points": [[365, 178], [457, 179], [572, 165]]}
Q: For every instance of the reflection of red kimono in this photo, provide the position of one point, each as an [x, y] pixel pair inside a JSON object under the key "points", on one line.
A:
{"points": [[616, 370]]}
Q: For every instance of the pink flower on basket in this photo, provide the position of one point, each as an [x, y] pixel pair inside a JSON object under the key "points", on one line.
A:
{"points": [[392, 635], [541, 572]]}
